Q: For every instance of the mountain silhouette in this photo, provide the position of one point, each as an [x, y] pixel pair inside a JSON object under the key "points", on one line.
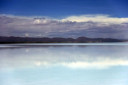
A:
{"points": [[13, 39]]}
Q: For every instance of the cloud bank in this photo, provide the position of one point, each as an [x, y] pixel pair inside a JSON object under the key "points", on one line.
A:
{"points": [[94, 26]]}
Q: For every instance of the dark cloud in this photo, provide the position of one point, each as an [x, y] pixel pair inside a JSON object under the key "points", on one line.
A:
{"points": [[47, 27]]}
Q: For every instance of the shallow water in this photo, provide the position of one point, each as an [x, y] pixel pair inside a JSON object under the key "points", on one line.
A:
{"points": [[64, 64]]}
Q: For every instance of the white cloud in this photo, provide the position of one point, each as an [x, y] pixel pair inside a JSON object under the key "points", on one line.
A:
{"points": [[96, 18], [85, 25]]}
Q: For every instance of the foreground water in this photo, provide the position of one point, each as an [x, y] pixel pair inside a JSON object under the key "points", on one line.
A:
{"points": [[64, 64]]}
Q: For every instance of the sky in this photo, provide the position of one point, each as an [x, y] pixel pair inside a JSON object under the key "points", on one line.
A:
{"points": [[64, 18]]}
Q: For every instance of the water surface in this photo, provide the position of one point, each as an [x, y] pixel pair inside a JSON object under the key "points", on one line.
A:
{"points": [[64, 64]]}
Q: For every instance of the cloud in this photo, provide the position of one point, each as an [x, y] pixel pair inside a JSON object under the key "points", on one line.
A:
{"points": [[72, 26], [96, 18]]}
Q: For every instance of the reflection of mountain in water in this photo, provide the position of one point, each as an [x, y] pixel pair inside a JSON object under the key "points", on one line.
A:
{"points": [[68, 56]]}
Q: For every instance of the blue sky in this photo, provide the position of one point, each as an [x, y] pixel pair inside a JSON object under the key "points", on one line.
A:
{"points": [[61, 8], [64, 18]]}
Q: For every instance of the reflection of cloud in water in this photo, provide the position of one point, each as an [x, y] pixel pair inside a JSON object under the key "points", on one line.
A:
{"points": [[68, 56], [96, 64]]}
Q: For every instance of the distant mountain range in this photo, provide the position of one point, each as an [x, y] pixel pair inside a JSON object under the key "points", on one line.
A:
{"points": [[13, 39]]}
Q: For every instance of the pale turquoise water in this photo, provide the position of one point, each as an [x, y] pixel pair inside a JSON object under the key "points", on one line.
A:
{"points": [[64, 64]]}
